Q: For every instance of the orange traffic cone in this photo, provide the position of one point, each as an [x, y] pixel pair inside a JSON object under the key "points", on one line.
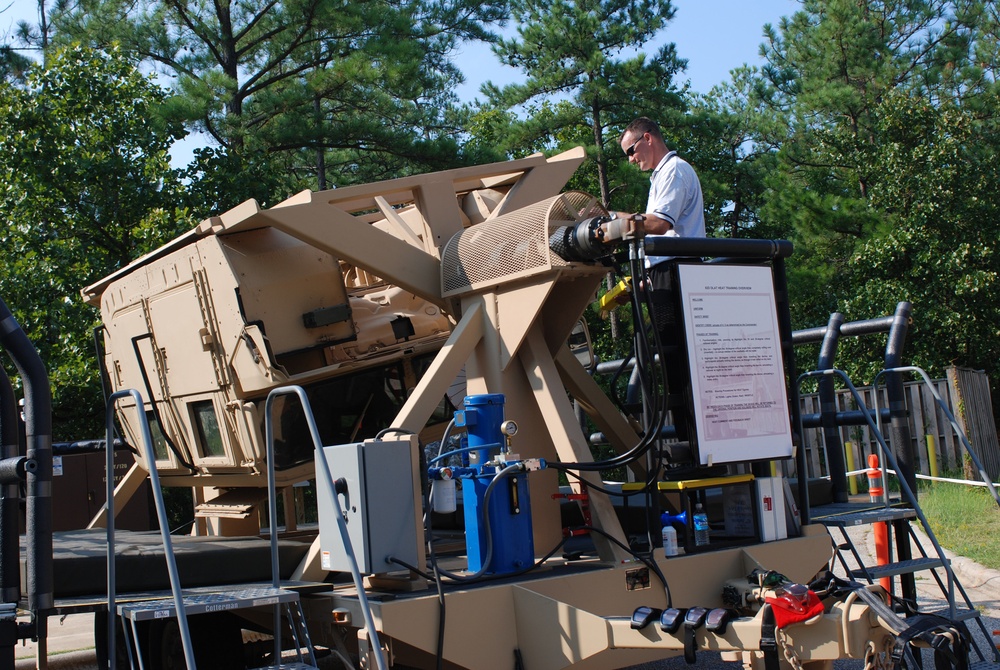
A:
{"points": [[876, 493]]}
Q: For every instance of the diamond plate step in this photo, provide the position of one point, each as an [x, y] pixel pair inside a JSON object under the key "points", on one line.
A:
{"points": [[961, 613], [209, 602], [899, 568]]}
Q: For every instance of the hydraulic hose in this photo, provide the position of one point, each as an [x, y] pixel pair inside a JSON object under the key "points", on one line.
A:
{"points": [[38, 440]]}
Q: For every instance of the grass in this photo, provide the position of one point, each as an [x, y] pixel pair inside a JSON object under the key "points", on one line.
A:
{"points": [[965, 520]]}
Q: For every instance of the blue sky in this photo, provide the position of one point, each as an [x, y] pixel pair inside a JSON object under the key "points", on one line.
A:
{"points": [[715, 36]]}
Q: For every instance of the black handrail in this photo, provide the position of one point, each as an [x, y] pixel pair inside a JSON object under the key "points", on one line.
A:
{"points": [[38, 441]]}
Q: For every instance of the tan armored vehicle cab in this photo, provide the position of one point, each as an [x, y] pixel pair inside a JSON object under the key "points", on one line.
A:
{"points": [[208, 328], [209, 323]]}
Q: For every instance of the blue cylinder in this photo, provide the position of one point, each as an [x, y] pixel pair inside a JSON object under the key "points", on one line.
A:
{"points": [[509, 511], [482, 417]]}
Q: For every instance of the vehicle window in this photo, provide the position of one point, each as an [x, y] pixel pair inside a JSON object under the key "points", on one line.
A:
{"points": [[207, 425]]}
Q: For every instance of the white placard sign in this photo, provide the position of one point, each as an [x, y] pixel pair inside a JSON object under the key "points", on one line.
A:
{"points": [[734, 353]]}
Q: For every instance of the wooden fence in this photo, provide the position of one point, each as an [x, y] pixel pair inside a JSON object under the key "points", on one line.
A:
{"points": [[966, 390]]}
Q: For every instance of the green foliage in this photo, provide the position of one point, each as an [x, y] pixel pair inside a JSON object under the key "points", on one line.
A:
{"points": [[575, 92], [13, 66], [218, 179], [85, 186], [342, 92], [734, 145], [884, 175], [965, 520], [939, 248]]}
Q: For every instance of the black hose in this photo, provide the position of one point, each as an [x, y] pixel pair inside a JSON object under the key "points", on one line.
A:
{"points": [[152, 403], [645, 362], [10, 496], [38, 443]]}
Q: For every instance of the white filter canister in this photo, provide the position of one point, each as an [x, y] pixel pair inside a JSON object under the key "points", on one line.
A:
{"points": [[443, 495]]}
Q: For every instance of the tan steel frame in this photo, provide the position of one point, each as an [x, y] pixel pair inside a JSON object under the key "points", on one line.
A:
{"points": [[512, 340]]}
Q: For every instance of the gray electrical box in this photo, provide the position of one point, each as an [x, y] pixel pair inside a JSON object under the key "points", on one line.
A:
{"points": [[378, 506]]}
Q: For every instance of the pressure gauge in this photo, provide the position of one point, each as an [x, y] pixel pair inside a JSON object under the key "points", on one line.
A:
{"points": [[508, 428]]}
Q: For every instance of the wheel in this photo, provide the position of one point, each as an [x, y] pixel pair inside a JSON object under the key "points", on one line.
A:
{"points": [[216, 640], [101, 641]]}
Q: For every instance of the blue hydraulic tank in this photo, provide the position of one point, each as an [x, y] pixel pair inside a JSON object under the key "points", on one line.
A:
{"points": [[481, 419], [503, 521]]}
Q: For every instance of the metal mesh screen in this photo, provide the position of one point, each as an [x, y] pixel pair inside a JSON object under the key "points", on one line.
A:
{"points": [[511, 246]]}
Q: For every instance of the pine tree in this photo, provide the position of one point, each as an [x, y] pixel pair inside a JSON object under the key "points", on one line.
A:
{"points": [[575, 88], [365, 84]]}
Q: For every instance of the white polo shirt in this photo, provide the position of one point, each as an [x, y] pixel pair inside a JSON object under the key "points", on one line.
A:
{"points": [[675, 195]]}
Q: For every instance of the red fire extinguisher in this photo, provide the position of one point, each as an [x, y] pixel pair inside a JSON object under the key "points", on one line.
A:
{"points": [[876, 491]]}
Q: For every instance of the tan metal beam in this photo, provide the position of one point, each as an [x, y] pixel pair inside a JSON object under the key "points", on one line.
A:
{"points": [[568, 439], [596, 403], [124, 491]]}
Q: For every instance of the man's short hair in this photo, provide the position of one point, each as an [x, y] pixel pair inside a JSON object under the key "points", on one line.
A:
{"points": [[640, 127]]}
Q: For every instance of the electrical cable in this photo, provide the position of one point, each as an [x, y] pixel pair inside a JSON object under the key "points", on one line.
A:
{"points": [[651, 479], [651, 378], [658, 401], [441, 606], [516, 467], [537, 564], [454, 452], [428, 525], [613, 382], [651, 434], [412, 568], [385, 431], [645, 363], [645, 560]]}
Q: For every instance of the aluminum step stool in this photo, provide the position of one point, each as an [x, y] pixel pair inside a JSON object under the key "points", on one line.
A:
{"points": [[225, 601]]}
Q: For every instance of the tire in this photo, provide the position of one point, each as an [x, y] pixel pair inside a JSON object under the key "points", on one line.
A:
{"points": [[101, 641], [216, 640]]}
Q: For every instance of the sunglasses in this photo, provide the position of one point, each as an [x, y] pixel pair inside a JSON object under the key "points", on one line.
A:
{"points": [[631, 150]]}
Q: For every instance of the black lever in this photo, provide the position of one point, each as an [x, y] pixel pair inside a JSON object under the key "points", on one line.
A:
{"points": [[693, 620], [643, 616], [671, 619], [718, 620]]}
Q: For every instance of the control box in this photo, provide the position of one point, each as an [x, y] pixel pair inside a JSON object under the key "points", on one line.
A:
{"points": [[377, 502]]}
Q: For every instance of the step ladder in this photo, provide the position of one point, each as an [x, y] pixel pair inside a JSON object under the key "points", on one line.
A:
{"points": [[224, 601], [898, 515], [192, 603], [960, 607]]}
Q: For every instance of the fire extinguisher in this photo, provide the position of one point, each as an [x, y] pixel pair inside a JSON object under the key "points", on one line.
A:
{"points": [[876, 491]]}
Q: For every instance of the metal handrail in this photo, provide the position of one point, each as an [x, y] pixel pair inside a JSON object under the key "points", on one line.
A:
{"points": [[341, 524], [161, 515], [951, 419], [904, 487]]}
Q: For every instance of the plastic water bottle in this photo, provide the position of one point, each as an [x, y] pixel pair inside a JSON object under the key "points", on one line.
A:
{"points": [[669, 540], [700, 526]]}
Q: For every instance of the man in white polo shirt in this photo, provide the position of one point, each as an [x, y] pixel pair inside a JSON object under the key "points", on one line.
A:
{"points": [[675, 206], [675, 209]]}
